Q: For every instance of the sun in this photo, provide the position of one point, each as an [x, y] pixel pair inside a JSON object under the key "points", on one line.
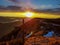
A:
{"points": [[28, 14]]}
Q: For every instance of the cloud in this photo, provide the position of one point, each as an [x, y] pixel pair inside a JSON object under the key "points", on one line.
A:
{"points": [[19, 2], [27, 4], [16, 1], [45, 6]]}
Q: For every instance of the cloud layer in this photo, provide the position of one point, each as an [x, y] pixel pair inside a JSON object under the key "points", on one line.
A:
{"points": [[45, 6]]}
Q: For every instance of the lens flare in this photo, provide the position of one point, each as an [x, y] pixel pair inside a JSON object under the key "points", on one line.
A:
{"points": [[28, 14]]}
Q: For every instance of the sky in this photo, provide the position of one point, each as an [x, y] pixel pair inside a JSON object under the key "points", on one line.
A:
{"points": [[38, 4]]}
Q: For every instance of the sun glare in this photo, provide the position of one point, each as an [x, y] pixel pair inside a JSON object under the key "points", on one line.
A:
{"points": [[28, 14]]}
